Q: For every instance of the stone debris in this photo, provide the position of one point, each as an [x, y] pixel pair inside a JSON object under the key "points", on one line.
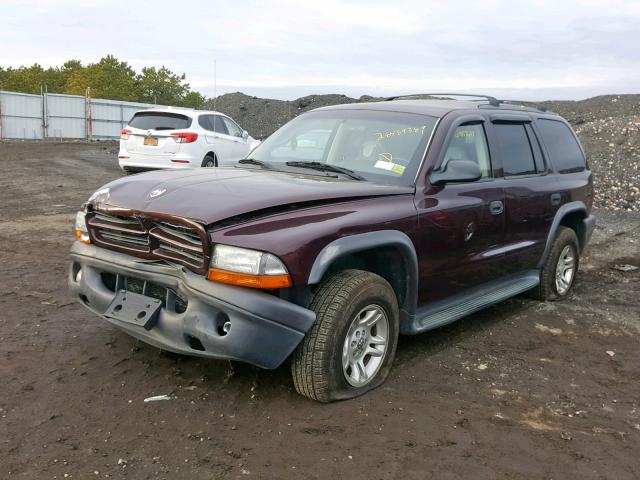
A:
{"points": [[625, 267]]}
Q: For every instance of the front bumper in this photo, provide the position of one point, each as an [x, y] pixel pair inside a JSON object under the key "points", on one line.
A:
{"points": [[264, 329]]}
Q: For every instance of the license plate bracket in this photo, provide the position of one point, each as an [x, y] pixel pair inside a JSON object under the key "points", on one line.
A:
{"points": [[134, 308], [152, 141]]}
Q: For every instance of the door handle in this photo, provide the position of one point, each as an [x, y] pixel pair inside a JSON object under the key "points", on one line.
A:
{"points": [[556, 198], [496, 207]]}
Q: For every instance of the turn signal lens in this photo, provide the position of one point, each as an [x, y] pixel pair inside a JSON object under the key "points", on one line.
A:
{"points": [[82, 233], [267, 282]]}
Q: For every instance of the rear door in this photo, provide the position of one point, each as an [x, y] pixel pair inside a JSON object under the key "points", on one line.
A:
{"points": [[461, 224], [531, 191], [216, 136], [150, 133]]}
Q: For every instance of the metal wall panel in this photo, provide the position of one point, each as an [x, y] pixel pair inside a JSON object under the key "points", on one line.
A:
{"points": [[21, 115], [55, 115], [65, 116]]}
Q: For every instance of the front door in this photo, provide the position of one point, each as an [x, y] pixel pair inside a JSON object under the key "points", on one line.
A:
{"points": [[461, 225], [240, 146]]}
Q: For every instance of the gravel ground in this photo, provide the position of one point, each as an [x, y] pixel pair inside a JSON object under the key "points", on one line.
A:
{"points": [[608, 127], [521, 390]]}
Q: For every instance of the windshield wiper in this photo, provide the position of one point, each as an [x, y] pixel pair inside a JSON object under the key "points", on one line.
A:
{"points": [[253, 161], [325, 167]]}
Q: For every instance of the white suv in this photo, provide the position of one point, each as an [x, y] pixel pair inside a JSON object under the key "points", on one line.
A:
{"points": [[181, 138]]}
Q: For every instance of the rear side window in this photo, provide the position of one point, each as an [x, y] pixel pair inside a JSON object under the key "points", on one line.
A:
{"points": [[160, 121], [218, 125], [515, 149], [564, 151]]}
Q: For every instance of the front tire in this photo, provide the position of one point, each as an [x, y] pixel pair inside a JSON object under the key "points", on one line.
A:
{"points": [[351, 346], [560, 269]]}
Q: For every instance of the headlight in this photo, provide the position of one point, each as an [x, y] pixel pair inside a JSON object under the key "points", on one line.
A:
{"points": [[247, 268], [82, 233]]}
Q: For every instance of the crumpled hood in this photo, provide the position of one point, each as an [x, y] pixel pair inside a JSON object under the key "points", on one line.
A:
{"points": [[212, 195]]}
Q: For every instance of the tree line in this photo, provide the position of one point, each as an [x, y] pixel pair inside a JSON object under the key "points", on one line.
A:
{"points": [[108, 78]]}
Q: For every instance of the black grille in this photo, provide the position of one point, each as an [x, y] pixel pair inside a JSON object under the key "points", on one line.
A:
{"points": [[150, 238]]}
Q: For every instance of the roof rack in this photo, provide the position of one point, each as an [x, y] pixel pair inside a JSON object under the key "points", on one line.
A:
{"points": [[494, 102], [523, 104]]}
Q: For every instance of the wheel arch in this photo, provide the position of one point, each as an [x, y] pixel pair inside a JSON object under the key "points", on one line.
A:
{"points": [[388, 253], [212, 153], [572, 215]]}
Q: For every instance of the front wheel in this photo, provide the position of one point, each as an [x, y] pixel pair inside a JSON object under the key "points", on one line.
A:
{"points": [[351, 346]]}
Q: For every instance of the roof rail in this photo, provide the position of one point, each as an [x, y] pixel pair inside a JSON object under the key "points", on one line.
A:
{"points": [[494, 102], [523, 104]]}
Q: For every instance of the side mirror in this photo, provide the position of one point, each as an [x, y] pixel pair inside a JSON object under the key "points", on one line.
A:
{"points": [[245, 134], [457, 171]]}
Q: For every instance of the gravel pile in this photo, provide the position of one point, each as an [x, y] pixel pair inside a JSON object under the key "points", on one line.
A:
{"points": [[608, 127]]}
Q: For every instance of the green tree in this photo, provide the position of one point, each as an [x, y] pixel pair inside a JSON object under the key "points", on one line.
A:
{"points": [[193, 100], [108, 78], [161, 86], [24, 79]]}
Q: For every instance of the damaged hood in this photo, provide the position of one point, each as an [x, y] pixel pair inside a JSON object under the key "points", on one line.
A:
{"points": [[214, 194]]}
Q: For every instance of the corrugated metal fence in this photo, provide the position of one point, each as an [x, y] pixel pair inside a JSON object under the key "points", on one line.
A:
{"points": [[53, 115]]}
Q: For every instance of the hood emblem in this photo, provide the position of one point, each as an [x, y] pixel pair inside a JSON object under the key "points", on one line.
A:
{"points": [[157, 192]]}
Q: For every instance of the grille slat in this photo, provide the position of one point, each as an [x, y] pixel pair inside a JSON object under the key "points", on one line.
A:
{"points": [[150, 238], [121, 237]]}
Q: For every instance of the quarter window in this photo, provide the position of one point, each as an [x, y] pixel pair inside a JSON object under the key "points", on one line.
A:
{"points": [[562, 146], [469, 143], [515, 149]]}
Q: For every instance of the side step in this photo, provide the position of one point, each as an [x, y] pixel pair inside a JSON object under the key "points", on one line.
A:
{"points": [[441, 312]]}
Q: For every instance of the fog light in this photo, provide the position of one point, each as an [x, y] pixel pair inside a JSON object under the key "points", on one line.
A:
{"points": [[226, 327]]}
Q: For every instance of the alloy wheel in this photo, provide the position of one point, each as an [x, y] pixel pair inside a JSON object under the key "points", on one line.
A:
{"points": [[365, 345]]}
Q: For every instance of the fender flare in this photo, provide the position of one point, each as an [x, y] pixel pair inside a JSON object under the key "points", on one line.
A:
{"points": [[366, 241], [562, 212]]}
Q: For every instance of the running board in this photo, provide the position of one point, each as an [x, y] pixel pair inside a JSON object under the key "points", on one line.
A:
{"points": [[442, 312]]}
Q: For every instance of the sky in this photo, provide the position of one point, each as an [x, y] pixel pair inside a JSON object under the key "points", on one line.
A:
{"points": [[528, 50]]}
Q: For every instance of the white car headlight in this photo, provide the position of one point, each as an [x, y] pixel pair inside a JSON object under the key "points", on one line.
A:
{"points": [[82, 233], [248, 268]]}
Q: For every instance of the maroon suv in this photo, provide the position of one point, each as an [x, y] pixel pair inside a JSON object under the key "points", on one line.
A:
{"points": [[348, 226]]}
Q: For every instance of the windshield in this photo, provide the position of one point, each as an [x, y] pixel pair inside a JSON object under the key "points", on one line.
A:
{"points": [[382, 147]]}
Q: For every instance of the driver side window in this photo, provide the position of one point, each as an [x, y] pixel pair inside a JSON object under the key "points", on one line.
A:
{"points": [[469, 143]]}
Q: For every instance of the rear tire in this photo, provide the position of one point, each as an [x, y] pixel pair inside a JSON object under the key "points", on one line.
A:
{"points": [[559, 271], [210, 161], [352, 344]]}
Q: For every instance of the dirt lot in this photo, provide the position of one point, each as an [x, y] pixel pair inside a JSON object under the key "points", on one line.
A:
{"points": [[522, 390]]}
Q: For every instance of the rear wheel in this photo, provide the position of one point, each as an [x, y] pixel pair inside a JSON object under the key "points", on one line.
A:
{"points": [[210, 161], [559, 271], [350, 348]]}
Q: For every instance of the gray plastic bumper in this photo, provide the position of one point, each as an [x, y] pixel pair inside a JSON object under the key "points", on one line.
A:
{"points": [[264, 329]]}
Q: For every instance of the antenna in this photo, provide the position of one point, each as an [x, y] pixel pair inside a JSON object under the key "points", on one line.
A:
{"points": [[215, 82]]}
